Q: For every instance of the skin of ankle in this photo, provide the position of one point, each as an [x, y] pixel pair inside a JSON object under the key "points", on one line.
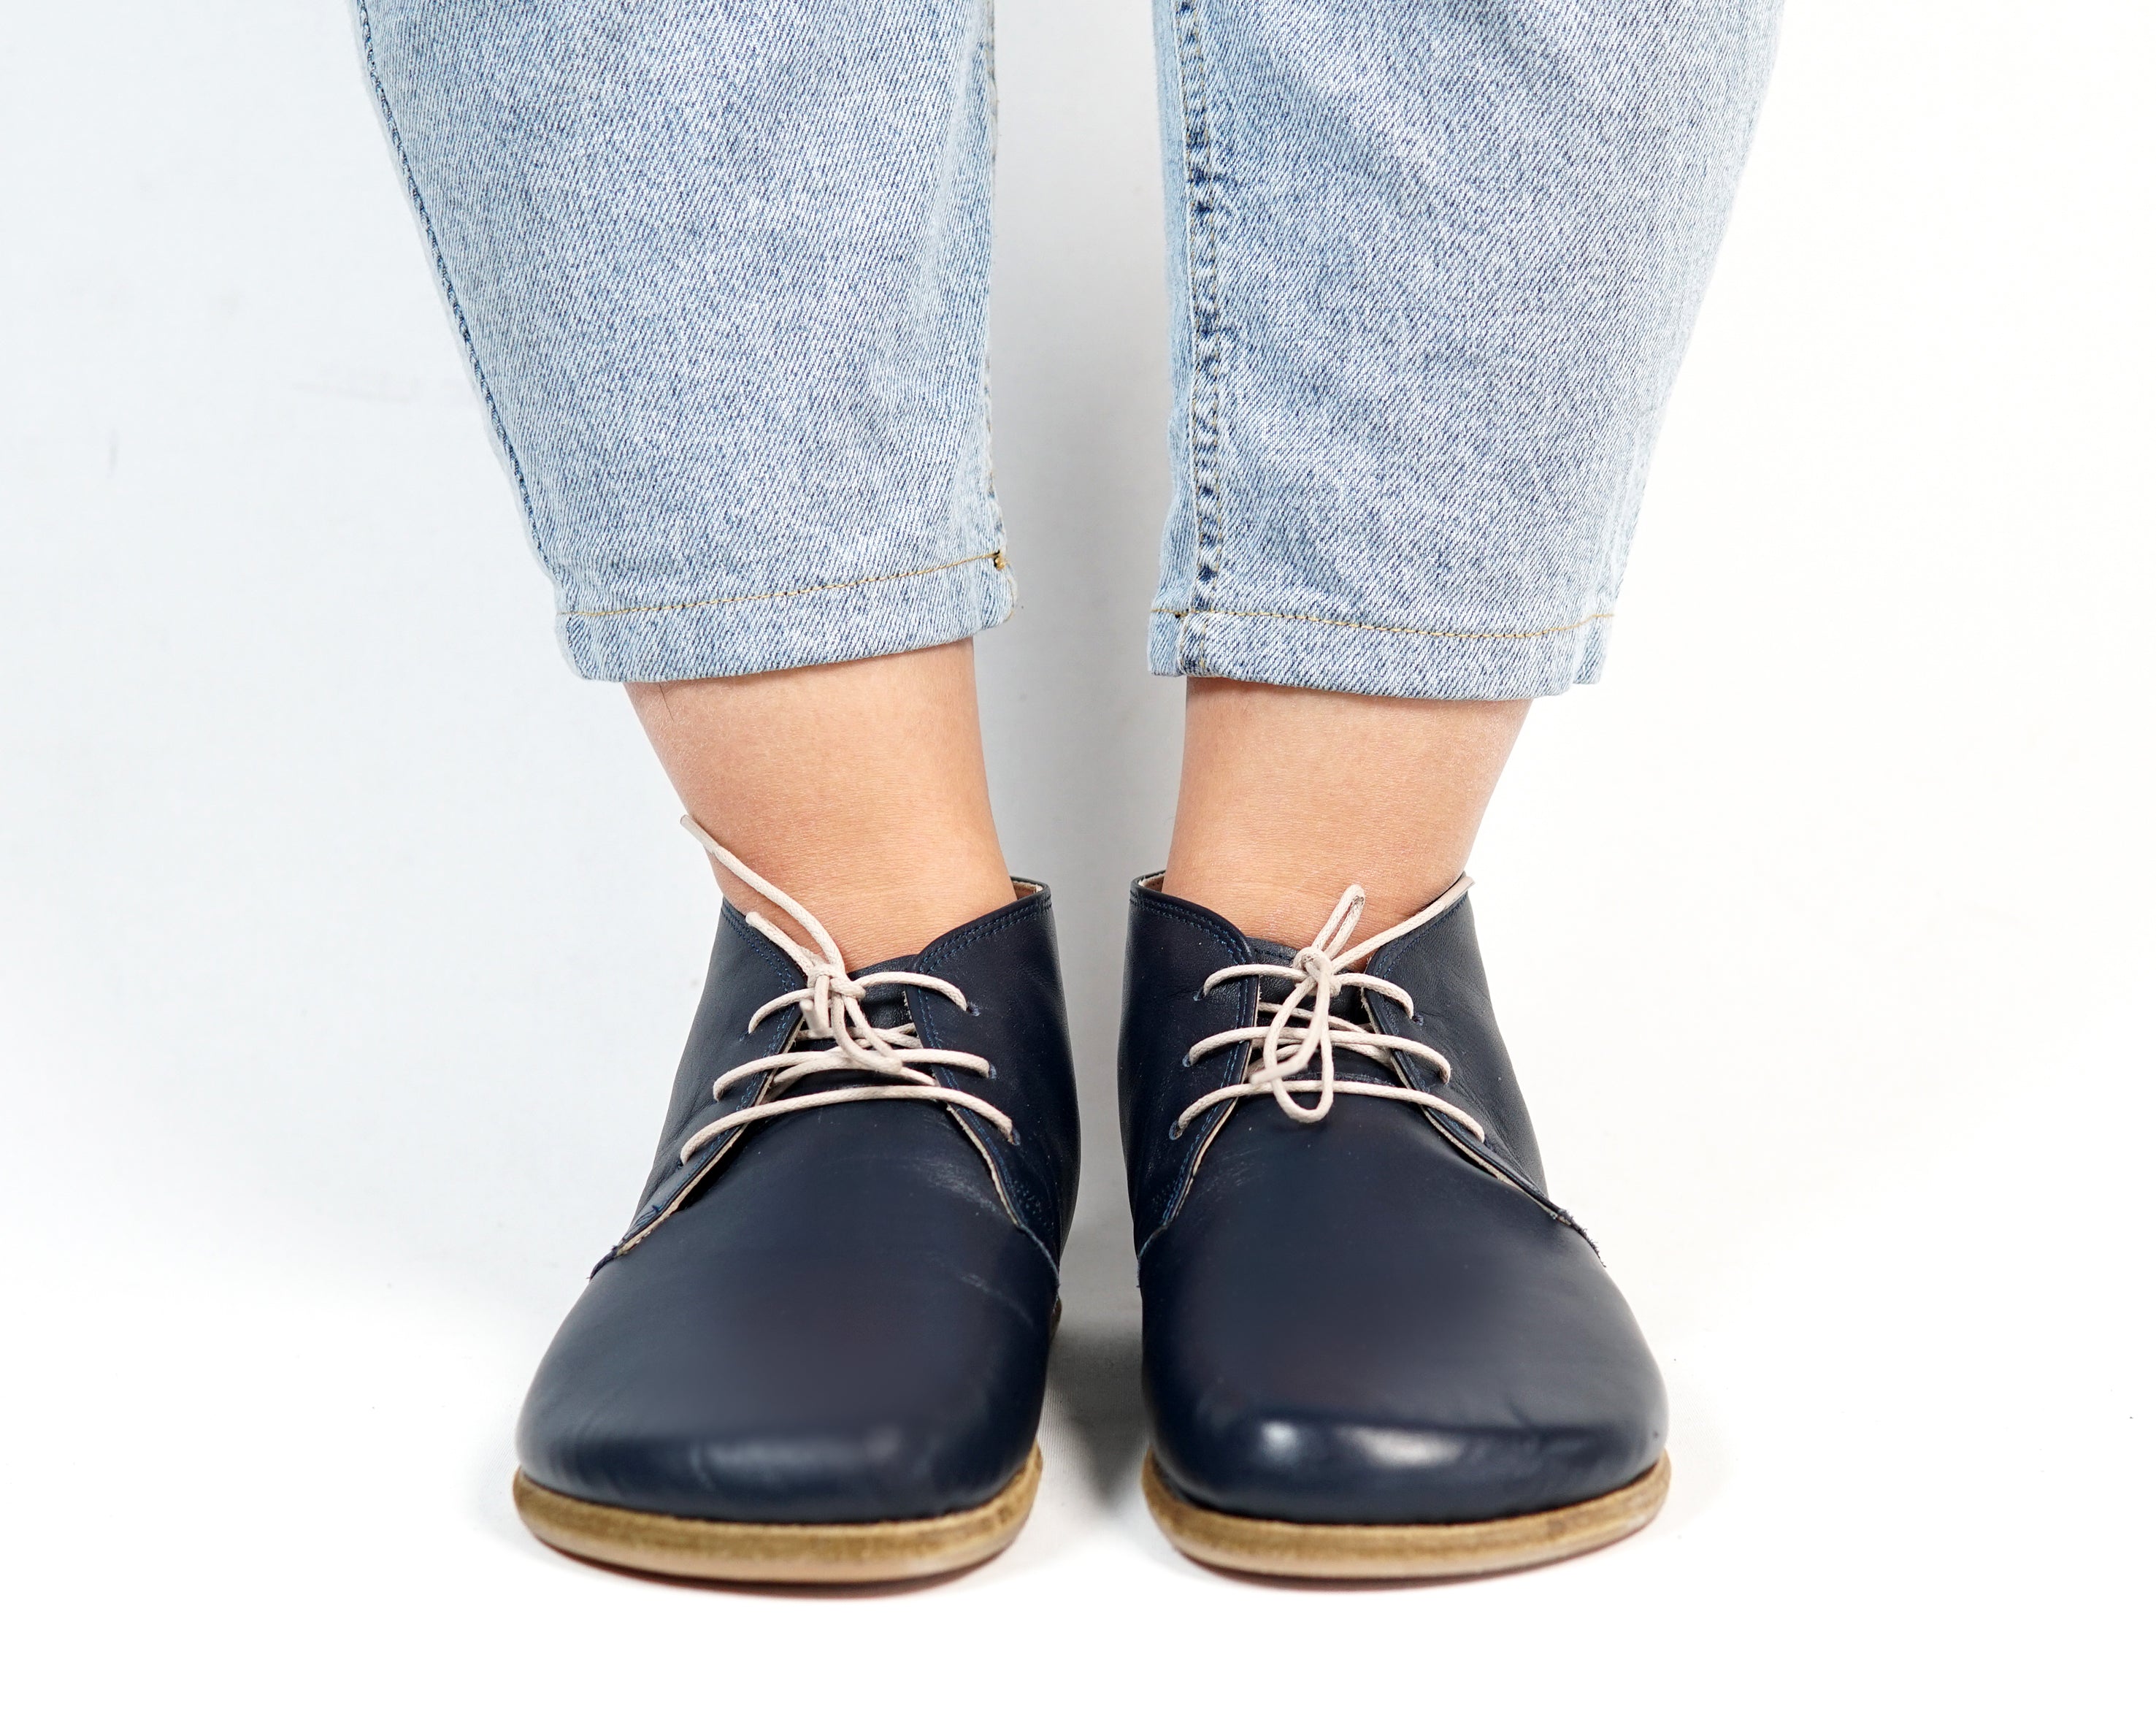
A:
{"points": [[1289, 795], [859, 789]]}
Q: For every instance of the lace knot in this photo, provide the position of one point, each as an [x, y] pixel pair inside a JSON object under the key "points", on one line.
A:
{"points": [[836, 1034], [1304, 1030], [825, 981]]}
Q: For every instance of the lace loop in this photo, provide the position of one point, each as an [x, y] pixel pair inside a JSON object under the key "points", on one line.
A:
{"points": [[834, 1012], [1304, 1030]]}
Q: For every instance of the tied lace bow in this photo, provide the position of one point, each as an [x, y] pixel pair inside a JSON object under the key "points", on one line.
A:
{"points": [[1304, 1030], [834, 1020]]}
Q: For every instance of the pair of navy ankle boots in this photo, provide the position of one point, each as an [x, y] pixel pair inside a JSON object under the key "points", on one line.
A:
{"points": [[1373, 1347]]}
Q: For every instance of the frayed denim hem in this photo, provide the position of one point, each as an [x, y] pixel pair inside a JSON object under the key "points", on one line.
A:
{"points": [[814, 623], [1353, 658]]}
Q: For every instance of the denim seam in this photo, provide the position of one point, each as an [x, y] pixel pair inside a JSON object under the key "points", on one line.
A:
{"points": [[995, 556], [988, 364], [1202, 184], [442, 271], [1395, 628]]}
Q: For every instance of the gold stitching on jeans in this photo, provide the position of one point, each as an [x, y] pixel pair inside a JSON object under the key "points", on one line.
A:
{"points": [[1388, 628], [995, 556]]}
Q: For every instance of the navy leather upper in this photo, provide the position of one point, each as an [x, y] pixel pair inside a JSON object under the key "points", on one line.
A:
{"points": [[1375, 1318], [840, 1315]]}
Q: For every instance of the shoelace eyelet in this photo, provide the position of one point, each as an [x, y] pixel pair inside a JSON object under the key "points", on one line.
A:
{"points": [[848, 1041], [1294, 1054]]}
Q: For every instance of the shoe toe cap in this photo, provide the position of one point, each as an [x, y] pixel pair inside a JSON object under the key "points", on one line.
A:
{"points": [[1381, 1334], [878, 1366], [1331, 1468], [813, 1471]]}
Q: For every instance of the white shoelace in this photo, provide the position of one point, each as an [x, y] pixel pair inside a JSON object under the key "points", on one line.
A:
{"points": [[1304, 1028], [833, 1017]]}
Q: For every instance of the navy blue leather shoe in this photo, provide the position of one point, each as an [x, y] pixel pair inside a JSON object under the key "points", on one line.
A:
{"points": [[819, 1353], [1373, 1345]]}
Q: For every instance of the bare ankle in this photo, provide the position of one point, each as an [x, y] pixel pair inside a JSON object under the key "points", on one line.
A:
{"points": [[1289, 795], [858, 788]]}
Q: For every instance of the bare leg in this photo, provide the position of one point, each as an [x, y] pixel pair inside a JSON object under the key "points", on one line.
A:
{"points": [[1289, 795], [860, 788]]}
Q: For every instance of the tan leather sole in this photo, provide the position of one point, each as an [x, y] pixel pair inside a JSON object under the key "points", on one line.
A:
{"points": [[1323, 1552], [782, 1553]]}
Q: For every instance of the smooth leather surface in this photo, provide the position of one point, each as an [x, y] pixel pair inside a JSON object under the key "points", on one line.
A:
{"points": [[846, 1314], [1353, 1322]]}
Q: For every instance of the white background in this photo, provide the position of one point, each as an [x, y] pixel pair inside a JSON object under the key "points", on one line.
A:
{"points": [[346, 942]]}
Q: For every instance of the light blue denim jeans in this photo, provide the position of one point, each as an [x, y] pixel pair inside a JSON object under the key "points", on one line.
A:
{"points": [[721, 272]]}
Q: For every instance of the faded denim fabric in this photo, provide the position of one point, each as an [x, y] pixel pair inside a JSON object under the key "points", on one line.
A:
{"points": [[1440, 262], [721, 272]]}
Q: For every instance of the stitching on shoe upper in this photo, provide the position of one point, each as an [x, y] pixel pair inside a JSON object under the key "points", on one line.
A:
{"points": [[1302, 1041], [1036, 904], [1386, 957], [925, 1026], [698, 1159], [1150, 902], [994, 923]]}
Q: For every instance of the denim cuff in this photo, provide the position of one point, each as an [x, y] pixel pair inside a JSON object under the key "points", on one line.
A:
{"points": [[1375, 658], [810, 623]]}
